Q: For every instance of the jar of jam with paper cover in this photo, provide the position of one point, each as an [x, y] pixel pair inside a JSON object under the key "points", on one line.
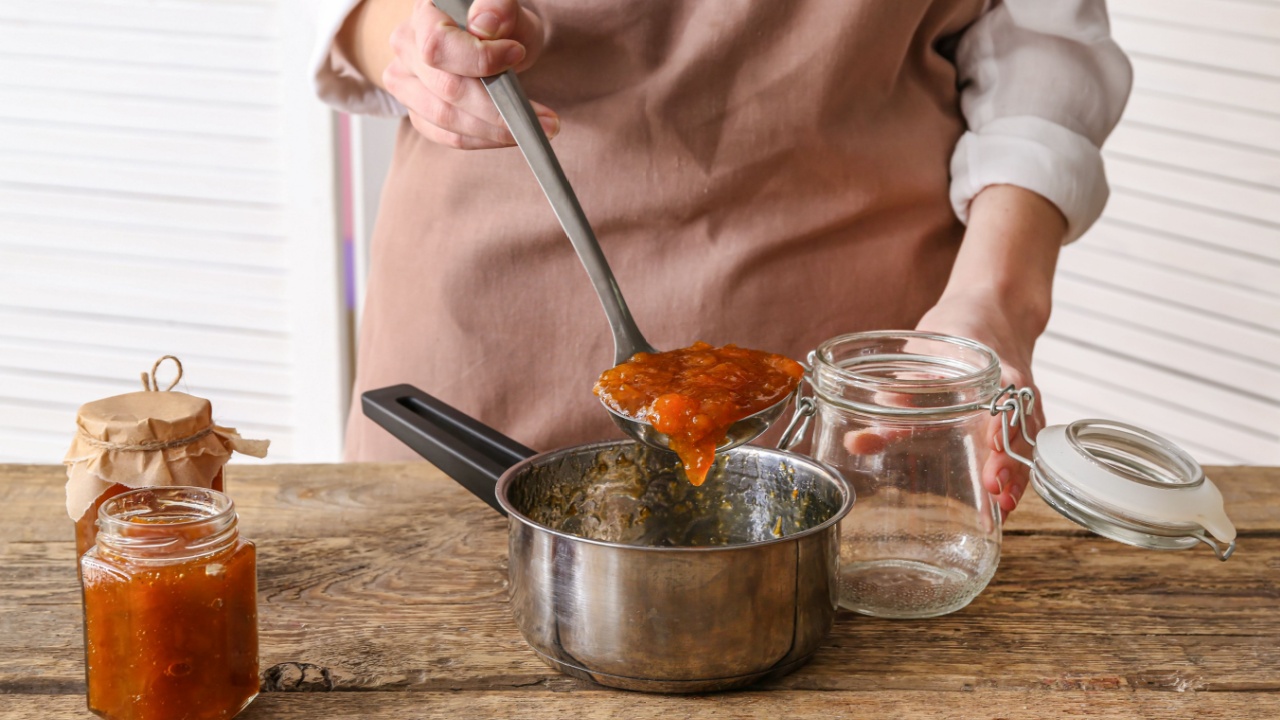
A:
{"points": [[145, 439], [170, 608]]}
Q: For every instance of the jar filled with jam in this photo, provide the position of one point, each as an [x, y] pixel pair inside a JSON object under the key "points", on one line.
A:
{"points": [[170, 608]]}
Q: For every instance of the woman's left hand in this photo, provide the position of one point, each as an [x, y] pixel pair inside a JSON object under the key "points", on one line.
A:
{"points": [[980, 316]]}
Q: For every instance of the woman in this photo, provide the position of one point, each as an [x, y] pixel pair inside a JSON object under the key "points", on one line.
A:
{"points": [[762, 173]]}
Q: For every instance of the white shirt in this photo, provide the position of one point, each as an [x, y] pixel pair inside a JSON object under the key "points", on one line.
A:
{"points": [[1042, 84]]}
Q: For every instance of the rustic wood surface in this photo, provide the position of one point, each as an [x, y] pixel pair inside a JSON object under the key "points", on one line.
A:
{"points": [[383, 595]]}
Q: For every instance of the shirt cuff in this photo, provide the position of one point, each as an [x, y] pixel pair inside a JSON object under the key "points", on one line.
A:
{"points": [[335, 79], [1032, 153]]}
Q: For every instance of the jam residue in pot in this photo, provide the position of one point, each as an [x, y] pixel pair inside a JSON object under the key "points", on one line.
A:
{"points": [[692, 395]]}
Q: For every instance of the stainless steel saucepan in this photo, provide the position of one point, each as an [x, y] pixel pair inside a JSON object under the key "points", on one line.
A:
{"points": [[624, 573]]}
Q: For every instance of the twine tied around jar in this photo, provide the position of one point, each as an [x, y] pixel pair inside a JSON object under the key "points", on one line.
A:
{"points": [[148, 438], [149, 384]]}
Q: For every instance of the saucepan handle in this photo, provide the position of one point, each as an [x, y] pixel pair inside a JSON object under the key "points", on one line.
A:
{"points": [[467, 450]]}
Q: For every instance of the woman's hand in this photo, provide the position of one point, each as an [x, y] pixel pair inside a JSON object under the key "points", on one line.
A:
{"points": [[1000, 294], [981, 316], [433, 67], [437, 68]]}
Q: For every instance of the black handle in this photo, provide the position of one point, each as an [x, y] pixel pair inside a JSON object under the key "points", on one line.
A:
{"points": [[467, 450]]}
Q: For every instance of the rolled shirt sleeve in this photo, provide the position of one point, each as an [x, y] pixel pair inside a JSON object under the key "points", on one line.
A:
{"points": [[335, 79], [1042, 86]]}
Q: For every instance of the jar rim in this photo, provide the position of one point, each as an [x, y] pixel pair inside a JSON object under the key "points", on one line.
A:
{"points": [[974, 374], [199, 520], [215, 505]]}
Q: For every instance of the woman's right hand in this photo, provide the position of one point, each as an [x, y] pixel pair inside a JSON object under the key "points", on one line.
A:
{"points": [[437, 68]]}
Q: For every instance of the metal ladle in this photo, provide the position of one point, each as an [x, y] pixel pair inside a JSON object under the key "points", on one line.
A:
{"points": [[513, 105]]}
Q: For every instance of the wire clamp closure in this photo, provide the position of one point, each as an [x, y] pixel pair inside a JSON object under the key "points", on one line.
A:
{"points": [[1013, 404]]}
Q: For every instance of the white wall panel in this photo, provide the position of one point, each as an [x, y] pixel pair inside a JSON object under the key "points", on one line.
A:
{"points": [[1167, 313], [167, 187]]}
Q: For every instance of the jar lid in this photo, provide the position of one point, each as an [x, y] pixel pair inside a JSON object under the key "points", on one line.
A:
{"points": [[1130, 485]]}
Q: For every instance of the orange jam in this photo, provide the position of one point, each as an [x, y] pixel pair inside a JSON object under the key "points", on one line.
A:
{"points": [[692, 395], [170, 630]]}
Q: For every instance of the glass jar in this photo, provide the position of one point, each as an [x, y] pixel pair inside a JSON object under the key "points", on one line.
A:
{"points": [[170, 608], [905, 417]]}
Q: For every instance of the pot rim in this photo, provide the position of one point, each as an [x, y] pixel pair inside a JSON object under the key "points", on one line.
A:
{"points": [[818, 468]]}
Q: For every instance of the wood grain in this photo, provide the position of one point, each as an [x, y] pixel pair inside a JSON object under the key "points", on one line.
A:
{"points": [[391, 578]]}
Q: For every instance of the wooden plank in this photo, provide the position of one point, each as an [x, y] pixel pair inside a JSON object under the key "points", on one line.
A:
{"points": [[130, 113], [226, 311], [126, 46], [113, 241], [1065, 409], [350, 500], [1195, 222], [393, 578], [156, 276], [209, 375], [1139, 365], [1193, 188], [28, 203], [1246, 271], [141, 178], [1205, 119], [1150, 345], [158, 82], [176, 150], [1145, 406], [1173, 287], [85, 327], [1172, 77], [556, 701], [1244, 164], [1233, 52], [1212, 332], [235, 407], [236, 18], [1231, 17]]}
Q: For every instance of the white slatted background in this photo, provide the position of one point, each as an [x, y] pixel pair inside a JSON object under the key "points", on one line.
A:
{"points": [[167, 187], [1167, 313]]}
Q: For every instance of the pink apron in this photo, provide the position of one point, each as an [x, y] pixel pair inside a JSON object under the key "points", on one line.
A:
{"points": [[769, 174]]}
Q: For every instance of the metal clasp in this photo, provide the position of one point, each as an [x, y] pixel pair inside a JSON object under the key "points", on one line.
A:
{"points": [[1217, 549], [806, 407], [1013, 404]]}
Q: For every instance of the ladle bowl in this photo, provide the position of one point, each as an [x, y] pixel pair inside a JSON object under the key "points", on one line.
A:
{"points": [[740, 433]]}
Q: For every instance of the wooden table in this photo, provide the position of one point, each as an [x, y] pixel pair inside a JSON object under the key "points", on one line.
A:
{"points": [[383, 595]]}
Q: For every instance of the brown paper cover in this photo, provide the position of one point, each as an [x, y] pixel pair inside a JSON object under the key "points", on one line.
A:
{"points": [[182, 446]]}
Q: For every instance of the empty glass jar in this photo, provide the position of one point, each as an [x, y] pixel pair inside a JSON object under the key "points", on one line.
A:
{"points": [[905, 416]]}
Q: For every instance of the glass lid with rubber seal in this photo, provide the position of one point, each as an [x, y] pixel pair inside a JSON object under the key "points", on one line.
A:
{"points": [[1120, 481]]}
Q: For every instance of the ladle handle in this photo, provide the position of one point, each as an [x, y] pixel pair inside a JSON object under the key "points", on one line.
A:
{"points": [[513, 105], [465, 449]]}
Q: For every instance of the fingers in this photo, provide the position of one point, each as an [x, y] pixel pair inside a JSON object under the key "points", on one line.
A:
{"points": [[1005, 477], [440, 121], [437, 68], [443, 45]]}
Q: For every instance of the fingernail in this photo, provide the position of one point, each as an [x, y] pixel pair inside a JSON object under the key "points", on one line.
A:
{"points": [[514, 56], [1017, 491], [485, 25], [995, 442], [1002, 477], [550, 125]]}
